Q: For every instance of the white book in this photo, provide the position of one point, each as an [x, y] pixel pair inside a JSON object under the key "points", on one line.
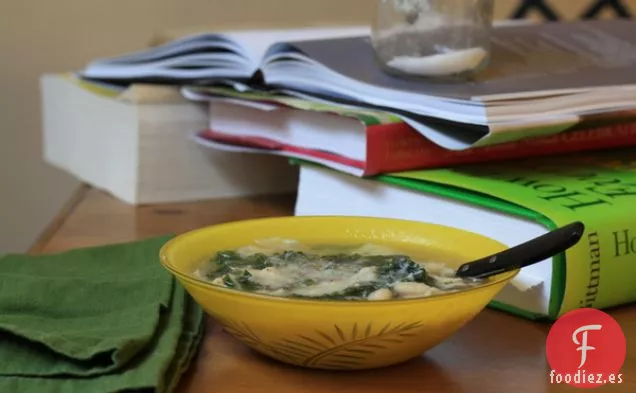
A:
{"points": [[135, 144]]}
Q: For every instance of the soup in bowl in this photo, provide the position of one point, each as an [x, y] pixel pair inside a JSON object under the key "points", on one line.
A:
{"points": [[344, 293]]}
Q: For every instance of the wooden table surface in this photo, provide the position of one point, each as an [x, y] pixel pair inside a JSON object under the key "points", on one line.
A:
{"points": [[494, 353]]}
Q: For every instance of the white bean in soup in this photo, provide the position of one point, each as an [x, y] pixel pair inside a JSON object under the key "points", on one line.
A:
{"points": [[288, 268]]}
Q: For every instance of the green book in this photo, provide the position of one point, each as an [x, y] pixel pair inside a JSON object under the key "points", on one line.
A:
{"points": [[513, 202]]}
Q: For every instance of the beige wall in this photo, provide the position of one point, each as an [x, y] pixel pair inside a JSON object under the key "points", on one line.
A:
{"points": [[38, 36]]}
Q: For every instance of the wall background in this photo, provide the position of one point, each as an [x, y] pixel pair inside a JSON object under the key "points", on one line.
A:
{"points": [[38, 36]]}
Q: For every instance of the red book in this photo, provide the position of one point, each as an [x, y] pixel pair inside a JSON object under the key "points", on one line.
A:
{"points": [[372, 150], [395, 149]]}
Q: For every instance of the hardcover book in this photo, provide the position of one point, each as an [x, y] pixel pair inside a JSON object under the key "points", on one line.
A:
{"points": [[513, 203], [365, 143]]}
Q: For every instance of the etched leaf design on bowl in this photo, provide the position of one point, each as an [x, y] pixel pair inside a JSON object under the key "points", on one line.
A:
{"points": [[338, 348], [343, 348], [243, 332]]}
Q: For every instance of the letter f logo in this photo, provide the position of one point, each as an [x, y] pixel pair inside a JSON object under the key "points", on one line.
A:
{"points": [[574, 349], [583, 343]]}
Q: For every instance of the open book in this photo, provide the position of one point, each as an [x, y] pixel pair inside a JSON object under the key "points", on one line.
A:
{"points": [[208, 57], [542, 78]]}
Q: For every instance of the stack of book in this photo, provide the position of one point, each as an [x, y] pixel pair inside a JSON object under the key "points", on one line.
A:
{"points": [[544, 136]]}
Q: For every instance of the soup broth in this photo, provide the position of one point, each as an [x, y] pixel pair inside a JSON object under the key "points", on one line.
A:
{"points": [[287, 268]]}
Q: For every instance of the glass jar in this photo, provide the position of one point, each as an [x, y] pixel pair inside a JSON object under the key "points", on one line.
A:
{"points": [[433, 38]]}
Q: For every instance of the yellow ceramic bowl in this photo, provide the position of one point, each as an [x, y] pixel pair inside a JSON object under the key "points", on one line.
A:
{"points": [[345, 335]]}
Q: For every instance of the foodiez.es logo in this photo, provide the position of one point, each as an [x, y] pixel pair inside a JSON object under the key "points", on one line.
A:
{"points": [[586, 348]]}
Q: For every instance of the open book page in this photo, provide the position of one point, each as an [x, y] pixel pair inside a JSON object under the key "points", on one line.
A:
{"points": [[258, 42], [199, 57], [181, 47], [583, 56], [206, 56]]}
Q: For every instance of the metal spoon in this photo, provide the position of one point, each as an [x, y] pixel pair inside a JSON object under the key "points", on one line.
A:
{"points": [[526, 254]]}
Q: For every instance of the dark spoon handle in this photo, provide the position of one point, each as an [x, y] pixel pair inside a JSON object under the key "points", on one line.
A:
{"points": [[529, 253]]}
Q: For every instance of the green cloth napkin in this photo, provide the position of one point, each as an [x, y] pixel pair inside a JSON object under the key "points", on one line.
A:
{"points": [[103, 319]]}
